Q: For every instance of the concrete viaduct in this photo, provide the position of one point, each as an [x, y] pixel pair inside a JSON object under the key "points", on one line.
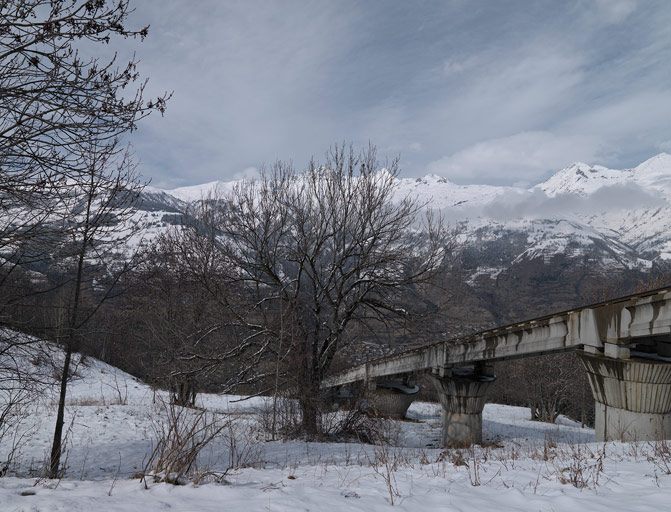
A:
{"points": [[624, 345]]}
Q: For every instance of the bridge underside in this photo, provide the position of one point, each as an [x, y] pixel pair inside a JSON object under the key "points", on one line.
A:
{"points": [[624, 345]]}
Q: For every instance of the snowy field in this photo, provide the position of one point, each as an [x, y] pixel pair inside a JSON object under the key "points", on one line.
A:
{"points": [[112, 421]]}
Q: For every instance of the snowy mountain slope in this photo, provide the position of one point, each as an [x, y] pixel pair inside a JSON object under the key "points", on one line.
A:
{"points": [[618, 218], [654, 174], [546, 238], [582, 179], [438, 192], [198, 192], [609, 218]]}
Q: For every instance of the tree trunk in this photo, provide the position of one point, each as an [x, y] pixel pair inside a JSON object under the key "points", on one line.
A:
{"points": [[56, 447], [310, 413], [309, 396], [55, 460], [184, 394]]}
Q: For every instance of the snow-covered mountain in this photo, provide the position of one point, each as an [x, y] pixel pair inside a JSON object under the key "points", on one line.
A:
{"points": [[197, 192], [599, 218], [605, 218], [614, 218], [579, 178]]}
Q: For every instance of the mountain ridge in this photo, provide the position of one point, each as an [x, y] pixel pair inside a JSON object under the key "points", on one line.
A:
{"points": [[585, 216], [622, 214], [654, 174]]}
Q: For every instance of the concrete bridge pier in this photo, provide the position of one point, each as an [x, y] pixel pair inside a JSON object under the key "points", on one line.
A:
{"points": [[391, 398], [633, 397], [462, 394]]}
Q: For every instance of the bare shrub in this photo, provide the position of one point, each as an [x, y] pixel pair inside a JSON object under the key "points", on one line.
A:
{"points": [[121, 390], [458, 459], [385, 463], [244, 449], [473, 466], [24, 374], [181, 435], [360, 426], [86, 402], [470, 459], [281, 419], [661, 456], [557, 385], [14, 433], [582, 468]]}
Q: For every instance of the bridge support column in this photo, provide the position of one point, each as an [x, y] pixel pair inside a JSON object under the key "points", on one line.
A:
{"points": [[462, 396], [390, 403], [391, 399], [633, 398]]}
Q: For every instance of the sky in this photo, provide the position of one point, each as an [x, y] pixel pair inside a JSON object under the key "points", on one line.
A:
{"points": [[497, 92]]}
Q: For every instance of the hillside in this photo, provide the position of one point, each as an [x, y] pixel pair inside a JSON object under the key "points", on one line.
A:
{"points": [[613, 219]]}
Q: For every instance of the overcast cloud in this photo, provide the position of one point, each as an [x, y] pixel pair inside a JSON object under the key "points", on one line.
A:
{"points": [[479, 92], [536, 204]]}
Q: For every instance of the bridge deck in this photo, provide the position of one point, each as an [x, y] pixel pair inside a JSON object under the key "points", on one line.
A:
{"points": [[616, 323]]}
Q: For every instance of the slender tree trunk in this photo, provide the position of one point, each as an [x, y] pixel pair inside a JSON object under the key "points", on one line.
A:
{"points": [[56, 445]]}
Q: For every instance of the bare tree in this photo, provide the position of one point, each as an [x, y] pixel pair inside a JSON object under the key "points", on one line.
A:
{"points": [[23, 377], [316, 256], [94, 217], [179, 316], [63, 109], [55, 102], [553, 384], [52, 98]]}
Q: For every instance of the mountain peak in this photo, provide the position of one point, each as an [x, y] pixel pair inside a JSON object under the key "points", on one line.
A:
{"points": [[577, 166], [197, 192], [658, 164], [580, 178], [432, 178]]}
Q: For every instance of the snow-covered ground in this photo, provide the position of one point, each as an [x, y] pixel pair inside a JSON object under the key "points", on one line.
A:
{"points": [[524, 465]]}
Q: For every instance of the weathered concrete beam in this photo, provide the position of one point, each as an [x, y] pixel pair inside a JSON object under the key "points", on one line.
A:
{"points": [[618, 323], [543, 337]]}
